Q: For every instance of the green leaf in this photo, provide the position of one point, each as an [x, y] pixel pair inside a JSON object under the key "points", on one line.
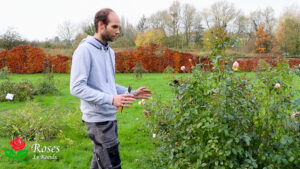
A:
{"points": [[247, 139], [22, 153], [203, 164], [291, 159], [9, 153]]}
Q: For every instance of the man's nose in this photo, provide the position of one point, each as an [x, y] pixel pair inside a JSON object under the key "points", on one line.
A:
{"points": [[118, 32]]}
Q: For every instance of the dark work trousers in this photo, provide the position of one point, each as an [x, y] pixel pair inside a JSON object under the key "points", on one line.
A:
{"points": [[104, 136]]}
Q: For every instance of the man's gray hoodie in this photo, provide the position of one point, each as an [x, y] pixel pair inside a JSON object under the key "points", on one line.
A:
{"points": [[93, 80]]}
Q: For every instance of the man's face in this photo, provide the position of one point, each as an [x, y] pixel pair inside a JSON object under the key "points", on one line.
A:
{"points": [[110, 31]]}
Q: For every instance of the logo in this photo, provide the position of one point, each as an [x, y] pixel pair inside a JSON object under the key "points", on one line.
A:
{"points": [[18, 153], [46, 152]]}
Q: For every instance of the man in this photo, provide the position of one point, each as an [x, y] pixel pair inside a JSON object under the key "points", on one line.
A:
{"points": [[93, 81]]}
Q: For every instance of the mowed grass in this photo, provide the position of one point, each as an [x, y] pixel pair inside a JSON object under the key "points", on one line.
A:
{"points": [[135, 142]]}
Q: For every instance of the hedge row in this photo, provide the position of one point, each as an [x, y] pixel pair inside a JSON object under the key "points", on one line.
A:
{"points": [[29, 59], [252, 64], [153, 57]]}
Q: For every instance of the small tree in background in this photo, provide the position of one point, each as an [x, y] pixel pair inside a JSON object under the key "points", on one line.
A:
{"points": [[142, 25], [262, 40], [139, 69], [66, 32], [151, 36], [288, 35], [90, 29], [10, 39]]}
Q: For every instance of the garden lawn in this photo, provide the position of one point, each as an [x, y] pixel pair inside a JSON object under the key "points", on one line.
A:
{"points": [[75, 148]]}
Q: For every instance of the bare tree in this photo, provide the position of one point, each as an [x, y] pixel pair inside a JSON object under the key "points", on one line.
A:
{"points": [[223, 12], [174, 12], [198, 29], [142, 25], [292, 11], [188, 19], [66, 32], [127, 34], [243, 28], [270, 20], [206, 16], [265, 16], [159, 20], [174, 25]]}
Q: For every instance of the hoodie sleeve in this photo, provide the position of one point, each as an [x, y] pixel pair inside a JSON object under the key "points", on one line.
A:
{"points": [[122, 90], [81, 65]]}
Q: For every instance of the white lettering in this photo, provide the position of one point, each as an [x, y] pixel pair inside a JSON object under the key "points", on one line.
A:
{"points": [[36, 147], [57, 149]]}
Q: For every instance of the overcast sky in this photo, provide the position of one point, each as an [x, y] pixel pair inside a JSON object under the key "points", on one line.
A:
{"points": [[39, 19]]}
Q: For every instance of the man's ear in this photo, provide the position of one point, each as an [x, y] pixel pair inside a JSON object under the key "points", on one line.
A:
{"points": [[100, 25]]}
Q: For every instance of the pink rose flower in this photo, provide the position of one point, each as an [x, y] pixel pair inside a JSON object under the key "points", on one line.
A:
{"points": [[235, 66], [182, 68]]}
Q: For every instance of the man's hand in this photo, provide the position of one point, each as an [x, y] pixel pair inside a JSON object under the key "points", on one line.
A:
{"points": [[123, 100], [142, 93]]}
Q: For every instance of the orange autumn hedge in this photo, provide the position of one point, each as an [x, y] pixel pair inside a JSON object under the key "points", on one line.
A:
{"points": [[30, 59], [61, 64], [154, 58], [251, 64], [25, 59]]}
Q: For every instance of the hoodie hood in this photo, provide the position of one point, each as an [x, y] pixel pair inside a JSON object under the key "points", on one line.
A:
{"points": [[91, 40], [94, 42]]}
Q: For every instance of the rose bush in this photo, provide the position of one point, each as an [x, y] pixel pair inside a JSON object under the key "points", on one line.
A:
{"points": [[46, 85], [222, 119], [22, 90]]}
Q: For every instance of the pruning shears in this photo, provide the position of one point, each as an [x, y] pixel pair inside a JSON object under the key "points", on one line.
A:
{"points": [[127, 92]]}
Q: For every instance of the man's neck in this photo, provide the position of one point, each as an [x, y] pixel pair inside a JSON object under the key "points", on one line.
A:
{"points": [[98, 36]]}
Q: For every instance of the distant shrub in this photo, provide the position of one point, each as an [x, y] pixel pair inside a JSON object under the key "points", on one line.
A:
{"points": [[169, 70], [46, 86], [139, 70]]}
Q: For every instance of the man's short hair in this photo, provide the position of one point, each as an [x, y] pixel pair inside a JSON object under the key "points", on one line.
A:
{"points": [[102, 16]]}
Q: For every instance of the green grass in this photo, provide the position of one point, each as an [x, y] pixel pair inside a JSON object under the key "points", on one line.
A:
{"points": [[135, 143]]}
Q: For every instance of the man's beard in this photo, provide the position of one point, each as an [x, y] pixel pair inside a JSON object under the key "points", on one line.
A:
{"points": [[106, 37]]}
